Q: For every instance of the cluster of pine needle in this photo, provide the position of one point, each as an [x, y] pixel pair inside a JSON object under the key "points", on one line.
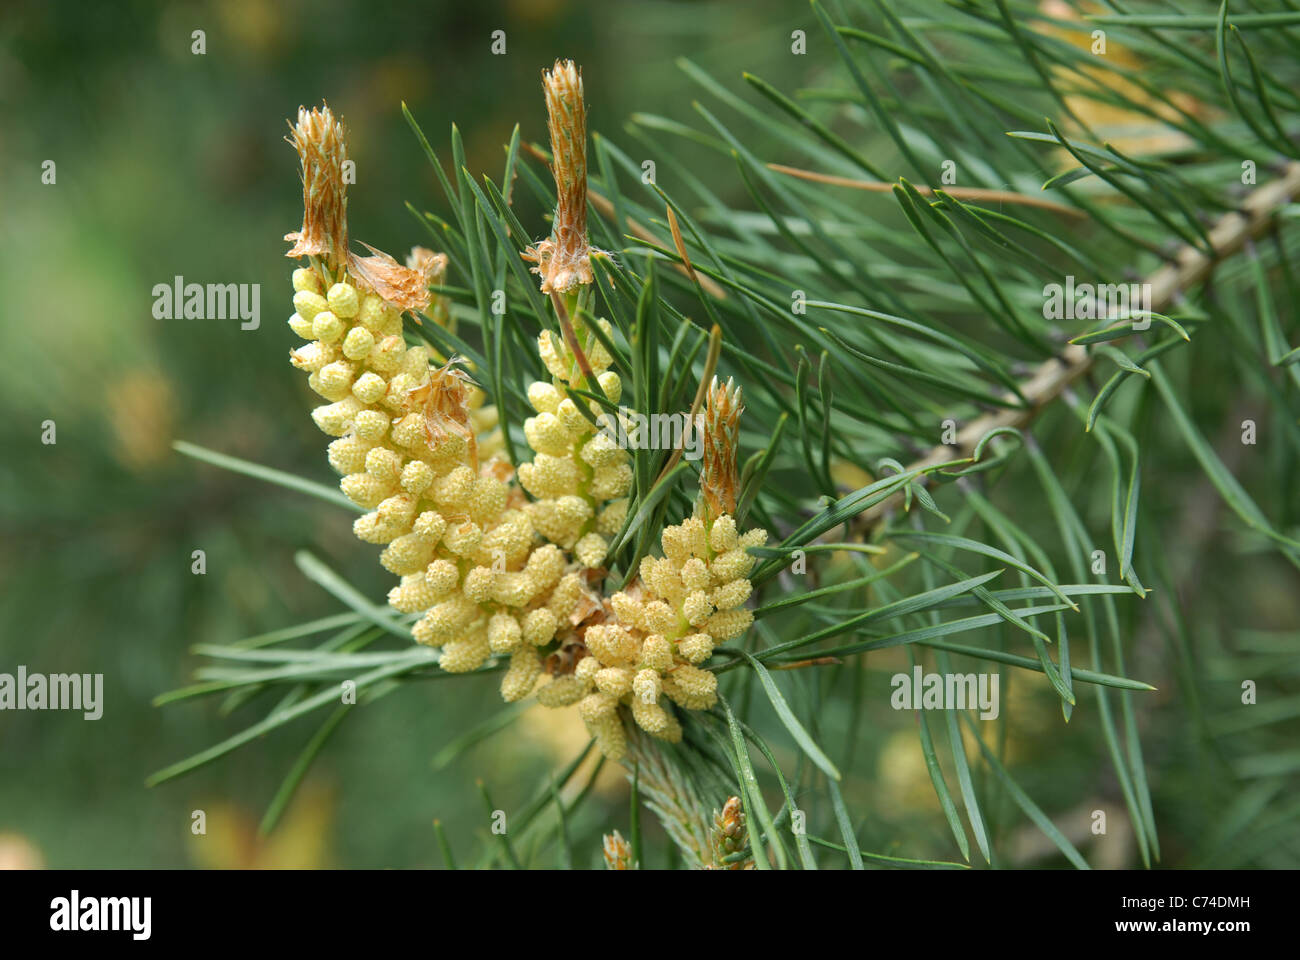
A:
{"points": [[942, 472]]}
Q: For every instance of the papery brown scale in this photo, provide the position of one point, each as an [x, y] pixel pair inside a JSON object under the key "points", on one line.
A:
{"points": [[322, 145], [403, 287], [443, 400]]}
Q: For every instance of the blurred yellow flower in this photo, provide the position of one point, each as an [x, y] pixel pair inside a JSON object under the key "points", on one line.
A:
{"points": [[299, 842], [17, 852], [140, 406], [1131, 131]]}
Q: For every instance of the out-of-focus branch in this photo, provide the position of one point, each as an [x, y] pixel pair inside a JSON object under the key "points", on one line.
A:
{"points": [[979, 194]]}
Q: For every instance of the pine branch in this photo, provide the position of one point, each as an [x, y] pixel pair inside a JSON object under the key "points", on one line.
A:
{"points": [[1187, 268], [980, 194], [672, 796]]}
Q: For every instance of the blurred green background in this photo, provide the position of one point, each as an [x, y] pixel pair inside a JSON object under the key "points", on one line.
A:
{"points": [[173, 163]]}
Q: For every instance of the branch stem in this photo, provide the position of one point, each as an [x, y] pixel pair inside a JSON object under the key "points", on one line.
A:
{"points": [[1051, 378]]}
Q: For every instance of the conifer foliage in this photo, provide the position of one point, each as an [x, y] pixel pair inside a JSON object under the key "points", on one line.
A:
{"points": [[952, 397]]}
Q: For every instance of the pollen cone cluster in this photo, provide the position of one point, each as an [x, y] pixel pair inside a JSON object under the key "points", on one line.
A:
{"points": [[579, 476], [494, 562], [618, 852], [664, 627], [729, 837], [410, 448]]}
